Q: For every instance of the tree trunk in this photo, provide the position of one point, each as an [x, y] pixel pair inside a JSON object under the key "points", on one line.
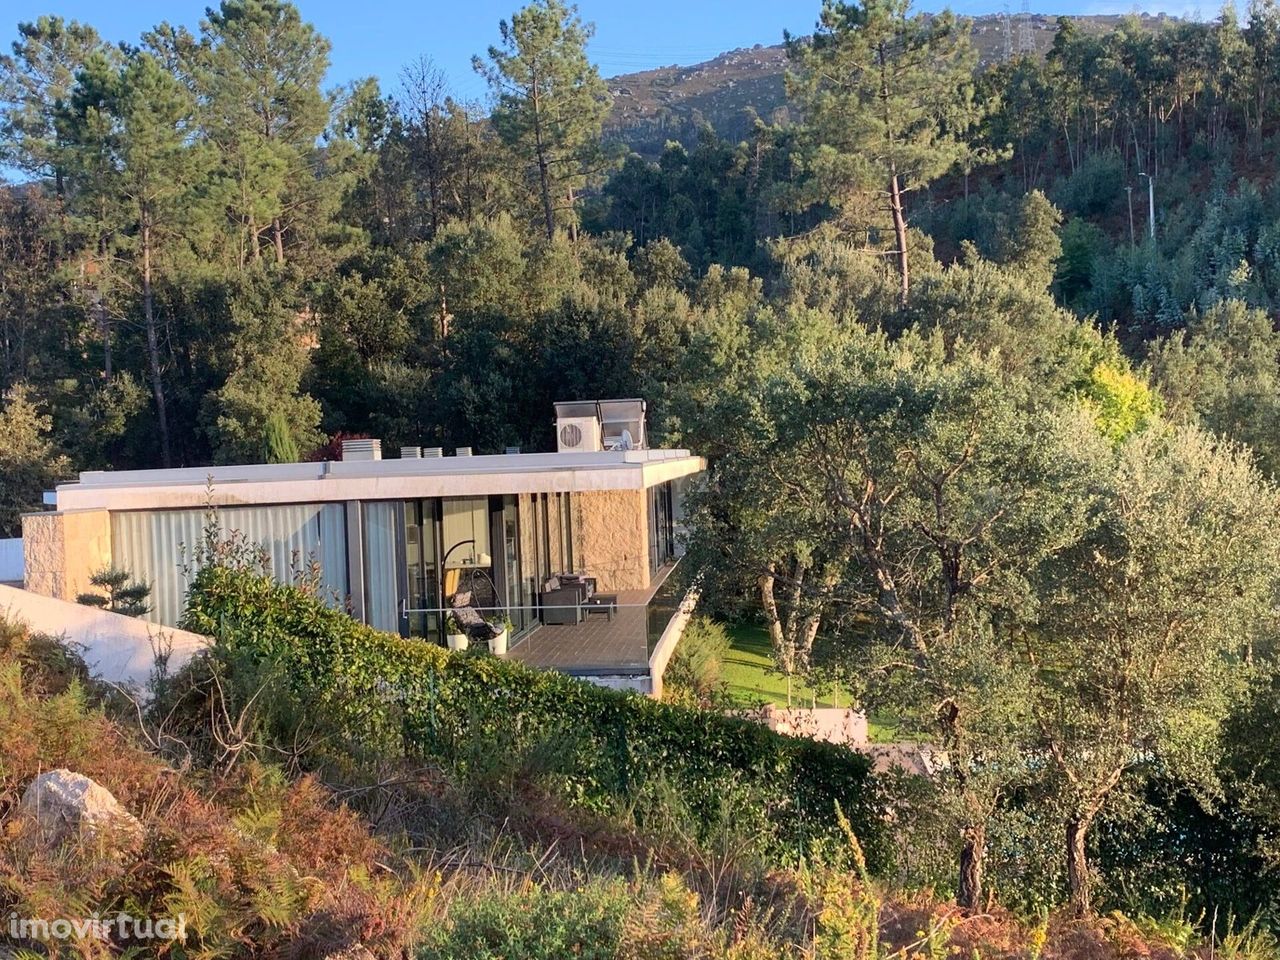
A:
{"points": [[104, 327], [900, 232], [544, 164], [153, 345], [973, 854], [1078, 878], [255, 253], [100, 314], [808, 634], [783, 648], [277, 232], [548, 209]]}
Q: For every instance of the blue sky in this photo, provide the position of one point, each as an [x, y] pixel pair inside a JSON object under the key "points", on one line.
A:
{"points": [[378, 37]]}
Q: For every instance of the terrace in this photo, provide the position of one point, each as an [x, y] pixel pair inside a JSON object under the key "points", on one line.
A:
{"points": [[619, 646]]}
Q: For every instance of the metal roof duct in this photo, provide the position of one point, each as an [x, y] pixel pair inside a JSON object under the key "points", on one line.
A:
{"points": [[362, 449]]}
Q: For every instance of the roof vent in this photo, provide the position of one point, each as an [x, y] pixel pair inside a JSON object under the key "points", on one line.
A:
{"points": [[430, 453], [362, 449], [462, 452], [410, 453], [512, 450]]}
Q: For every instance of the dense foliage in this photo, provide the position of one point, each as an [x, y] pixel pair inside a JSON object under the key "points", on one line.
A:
{"points": [[394, 697], [246, 857], [983, 357]]}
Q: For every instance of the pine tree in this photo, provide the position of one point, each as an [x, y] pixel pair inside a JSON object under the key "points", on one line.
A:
{"points": [[551, 101], [131, 130], [34, 81], [887, 100], [258, 72], [278, 444], [120, 593]]}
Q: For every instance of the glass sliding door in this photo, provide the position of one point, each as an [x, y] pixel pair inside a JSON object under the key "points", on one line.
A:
{"points": [[519, 588], [661, 526], [468, 550], [422, 570]]}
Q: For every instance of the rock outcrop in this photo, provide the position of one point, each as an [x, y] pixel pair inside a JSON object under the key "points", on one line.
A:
{"points": [[63, 804]]}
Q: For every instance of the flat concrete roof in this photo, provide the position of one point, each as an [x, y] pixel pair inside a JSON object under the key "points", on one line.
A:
{"points": [[375, 479]]}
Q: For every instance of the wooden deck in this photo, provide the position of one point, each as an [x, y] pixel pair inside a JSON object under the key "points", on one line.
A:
{"points": [[597, 645]]}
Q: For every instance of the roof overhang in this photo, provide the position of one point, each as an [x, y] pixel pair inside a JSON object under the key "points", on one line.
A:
{"points": [[376, 480]]}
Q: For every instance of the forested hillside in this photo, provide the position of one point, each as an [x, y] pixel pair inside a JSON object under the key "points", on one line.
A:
{"points": [[732, 91], [207, 239]]}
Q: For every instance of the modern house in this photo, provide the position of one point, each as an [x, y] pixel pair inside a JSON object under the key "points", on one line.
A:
{"points": [[395, 540]]}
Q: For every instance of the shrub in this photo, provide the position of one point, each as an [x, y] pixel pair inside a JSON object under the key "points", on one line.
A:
{"points": [[403, 698], [694, 670], [1095, 188], [534, 924], [251, 862]]}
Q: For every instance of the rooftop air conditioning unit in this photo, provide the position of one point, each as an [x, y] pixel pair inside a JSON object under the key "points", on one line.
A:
{"points": [[595, 425], [578, 435], [410, 453]]}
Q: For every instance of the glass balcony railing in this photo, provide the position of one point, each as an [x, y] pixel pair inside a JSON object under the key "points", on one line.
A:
{"points": [[609, 634]]}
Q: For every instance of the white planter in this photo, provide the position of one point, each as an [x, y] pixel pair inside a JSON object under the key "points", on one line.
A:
{"points": [[498, 645], [457, 641]]}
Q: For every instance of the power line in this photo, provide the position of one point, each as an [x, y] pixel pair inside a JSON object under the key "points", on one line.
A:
{"points": [[1026, 42]]}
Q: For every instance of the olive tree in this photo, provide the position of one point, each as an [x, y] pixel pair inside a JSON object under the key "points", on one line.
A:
{"points": [[932, 487], [1145, 623]]}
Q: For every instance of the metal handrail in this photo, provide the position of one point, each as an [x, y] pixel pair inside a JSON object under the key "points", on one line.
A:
{"points": [[405, 609]]}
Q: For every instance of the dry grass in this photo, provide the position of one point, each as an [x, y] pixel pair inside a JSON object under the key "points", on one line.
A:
{"points": [[265, 865]]}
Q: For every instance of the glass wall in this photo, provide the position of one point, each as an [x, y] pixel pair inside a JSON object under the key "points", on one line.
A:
{"points": [[521, 591], [661, 526], [160, 547], [422, 572], [468, 548], [413, 554]]}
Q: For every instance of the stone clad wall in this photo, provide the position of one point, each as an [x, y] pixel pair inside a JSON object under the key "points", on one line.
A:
{"points": [[62, 550], [611, 538]]}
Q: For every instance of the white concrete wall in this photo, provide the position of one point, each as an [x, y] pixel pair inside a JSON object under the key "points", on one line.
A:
{"points": [[11, 562], [833, 724], [632, 684], [666, 645], [375, 480], [117, 648]]}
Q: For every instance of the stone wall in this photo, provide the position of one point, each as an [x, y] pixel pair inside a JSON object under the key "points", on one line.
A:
{"points": [[612, 541], [62, 550], [822, 723]]}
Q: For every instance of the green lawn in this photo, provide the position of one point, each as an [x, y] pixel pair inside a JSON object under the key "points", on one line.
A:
{"points": [[752, 680]]}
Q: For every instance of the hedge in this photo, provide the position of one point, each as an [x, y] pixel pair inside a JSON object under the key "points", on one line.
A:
{"points": [[402, 696]]}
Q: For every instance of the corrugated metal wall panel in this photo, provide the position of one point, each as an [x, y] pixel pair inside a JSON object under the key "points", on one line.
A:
{"points": [[159, 547], [382, 564]]}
